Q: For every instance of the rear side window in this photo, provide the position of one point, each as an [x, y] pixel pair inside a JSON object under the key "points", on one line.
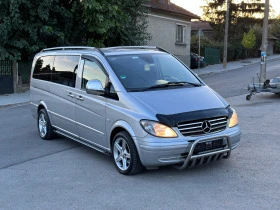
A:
{"points": [[57, 69], [43, 68], [65, 69]]}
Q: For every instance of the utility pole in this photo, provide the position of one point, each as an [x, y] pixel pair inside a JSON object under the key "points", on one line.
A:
{"points": [[264, 42], [199, 34], [226, 36]]}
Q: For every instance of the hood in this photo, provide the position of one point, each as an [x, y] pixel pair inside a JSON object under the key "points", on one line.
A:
{"points": [[180, 100]]}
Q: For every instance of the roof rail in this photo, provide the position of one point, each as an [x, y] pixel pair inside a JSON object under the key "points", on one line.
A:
{"points": [[163, 50], [69, 48], [100, 51], [138, 47], [132, 47]]}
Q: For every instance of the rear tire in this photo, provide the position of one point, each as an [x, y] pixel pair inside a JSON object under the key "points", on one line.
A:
{"points": [[125, 154], [44, 125]]}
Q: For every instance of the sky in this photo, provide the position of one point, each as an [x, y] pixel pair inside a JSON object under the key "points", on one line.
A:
{"points": [[194, 5]]}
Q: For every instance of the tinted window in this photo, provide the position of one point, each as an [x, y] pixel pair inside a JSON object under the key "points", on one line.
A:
{"points": [[43, 68], [93, 70], [64, 70]]}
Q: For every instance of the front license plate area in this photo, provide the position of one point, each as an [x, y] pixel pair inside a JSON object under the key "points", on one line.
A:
{"points": [[208, 146]]}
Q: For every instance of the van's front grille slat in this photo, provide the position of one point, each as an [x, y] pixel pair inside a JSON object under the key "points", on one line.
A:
{"points": [[202, 126]]}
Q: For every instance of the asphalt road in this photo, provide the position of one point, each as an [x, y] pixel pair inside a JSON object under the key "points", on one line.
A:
{"points": [[61, 174], [235, 82]]}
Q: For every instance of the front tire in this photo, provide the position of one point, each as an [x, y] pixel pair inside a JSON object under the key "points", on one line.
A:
{"points": [[44, 125], [125, 154]]}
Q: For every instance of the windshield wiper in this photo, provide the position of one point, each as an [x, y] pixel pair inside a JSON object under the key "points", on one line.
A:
{"points": [[171, 84], [182, 83]]}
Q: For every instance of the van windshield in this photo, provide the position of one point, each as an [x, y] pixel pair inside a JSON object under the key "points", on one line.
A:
{"points": [[142, 72]]}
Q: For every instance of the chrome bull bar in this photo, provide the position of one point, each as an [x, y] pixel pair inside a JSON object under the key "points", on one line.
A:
{"points": [[191, 159]]}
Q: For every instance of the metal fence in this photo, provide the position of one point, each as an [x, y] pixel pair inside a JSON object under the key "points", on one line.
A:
{"points": [[6, 77], [6, 68], [212, 56]]}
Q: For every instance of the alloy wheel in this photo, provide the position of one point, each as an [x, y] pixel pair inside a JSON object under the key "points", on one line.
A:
{"points": [[122, 154], [42, 125]]}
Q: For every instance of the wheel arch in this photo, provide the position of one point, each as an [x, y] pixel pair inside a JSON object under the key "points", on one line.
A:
{"points": [[120, 126], [42, 105]]}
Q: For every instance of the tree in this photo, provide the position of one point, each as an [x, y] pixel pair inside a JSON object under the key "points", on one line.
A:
{"points": [[27, 26], [242, 16], [249, 40], [274, 30], [204, 42], [112, 23], [274, 27]]}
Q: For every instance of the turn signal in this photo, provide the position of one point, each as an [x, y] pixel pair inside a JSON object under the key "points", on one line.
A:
{"points": [[233, 121]]}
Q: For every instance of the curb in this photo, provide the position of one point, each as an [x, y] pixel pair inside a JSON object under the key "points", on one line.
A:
{"points": [[5, 106]]}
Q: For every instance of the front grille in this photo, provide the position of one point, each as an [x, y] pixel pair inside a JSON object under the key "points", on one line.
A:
{"points": [[202, 127]]}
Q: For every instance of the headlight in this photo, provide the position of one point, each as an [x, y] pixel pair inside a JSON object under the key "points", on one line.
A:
{"points": [[157, 129], [233, 121]]}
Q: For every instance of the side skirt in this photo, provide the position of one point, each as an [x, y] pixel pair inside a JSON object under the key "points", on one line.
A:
{"points": [[84, 142]]}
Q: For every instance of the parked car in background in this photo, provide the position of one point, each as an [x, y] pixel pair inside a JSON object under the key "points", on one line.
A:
{"points": [[195, 60]]}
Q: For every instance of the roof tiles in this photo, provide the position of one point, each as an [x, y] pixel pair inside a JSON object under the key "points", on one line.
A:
{"points": [[167, 6]]}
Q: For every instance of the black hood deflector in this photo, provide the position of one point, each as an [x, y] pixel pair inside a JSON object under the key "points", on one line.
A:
{"points": [[174, 119]]}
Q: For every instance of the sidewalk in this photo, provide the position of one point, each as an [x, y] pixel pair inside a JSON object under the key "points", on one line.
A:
{"points": [[15, 98], [218, 68], [23, 98]]}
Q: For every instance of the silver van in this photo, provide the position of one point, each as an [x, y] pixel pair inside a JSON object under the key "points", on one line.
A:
{"points": [[139, 104]]}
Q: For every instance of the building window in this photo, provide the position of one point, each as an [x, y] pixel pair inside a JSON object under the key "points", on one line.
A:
{"points": [[180, 34]]}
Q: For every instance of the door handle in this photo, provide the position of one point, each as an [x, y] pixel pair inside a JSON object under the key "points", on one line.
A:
{"points": [[80, 98], [71, 95]]}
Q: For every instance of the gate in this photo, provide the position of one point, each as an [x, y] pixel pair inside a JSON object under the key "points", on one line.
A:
{"points": [[6, 77], [212, 56]]}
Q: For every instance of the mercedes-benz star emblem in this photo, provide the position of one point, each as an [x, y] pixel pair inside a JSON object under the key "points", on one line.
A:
{"points": [[206, 127]]}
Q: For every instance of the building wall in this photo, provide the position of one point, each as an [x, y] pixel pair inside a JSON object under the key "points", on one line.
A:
{"points": [[163, 31]]}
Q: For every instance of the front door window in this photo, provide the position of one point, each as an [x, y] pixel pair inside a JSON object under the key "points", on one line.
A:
{"points": [[93, 70]]}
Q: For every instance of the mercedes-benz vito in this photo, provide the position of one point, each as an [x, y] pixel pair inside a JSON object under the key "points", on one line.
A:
{"points": [[141, 105]]}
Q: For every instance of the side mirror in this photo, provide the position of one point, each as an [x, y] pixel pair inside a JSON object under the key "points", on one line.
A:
{"points": [[95, 87]]}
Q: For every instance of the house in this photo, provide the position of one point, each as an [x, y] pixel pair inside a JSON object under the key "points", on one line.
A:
{"points": [[270, 45], [272, 39], [170, 28], [204, 26]]}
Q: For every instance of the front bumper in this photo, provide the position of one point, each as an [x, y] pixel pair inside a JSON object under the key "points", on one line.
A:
{"points": [[182, 151]]}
